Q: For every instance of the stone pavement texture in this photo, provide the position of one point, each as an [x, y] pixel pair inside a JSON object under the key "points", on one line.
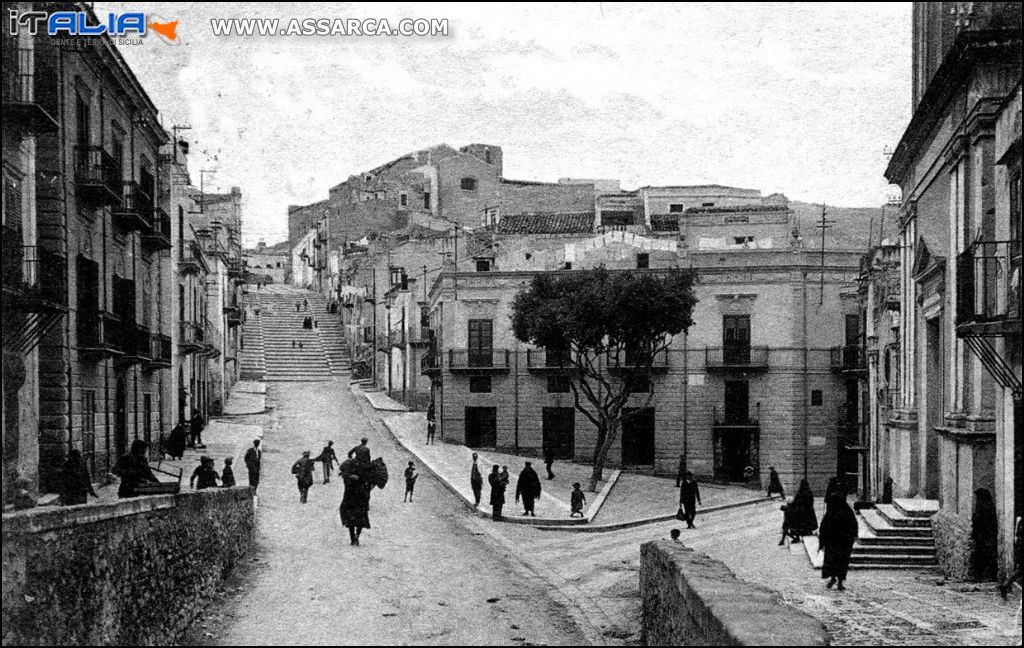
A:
{"points": [[424, 574]]}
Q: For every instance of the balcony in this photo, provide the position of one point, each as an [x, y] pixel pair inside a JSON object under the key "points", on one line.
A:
{"points": [[134, 213], [424, 336], [100, 337], [97, 177], [623, 363], [235, 269], [430, 364], [736, 359], [541, 361], [848, 359], [159, 236], [191, 259], [160, 351], [34, 279], [478, 361], [988, 289], [234, 315], [137, 345], [191, 338], [29, 91]]}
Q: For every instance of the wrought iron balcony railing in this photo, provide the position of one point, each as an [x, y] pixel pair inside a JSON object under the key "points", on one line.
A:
{"points": [[29, 89], [478, 360], [736, 358], [135, 210], [848, 358], [988, 289], [97, 176], [158, 237], [622, 362]]}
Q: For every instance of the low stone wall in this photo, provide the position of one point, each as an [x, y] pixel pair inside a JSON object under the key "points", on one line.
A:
{"points": [[690, 599], [954, 548], [132, 572]]}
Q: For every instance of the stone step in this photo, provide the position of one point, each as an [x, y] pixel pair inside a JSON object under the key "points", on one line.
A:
{"points": [[914, 507], [896, 541], [893, 550], [897, 560], [881, 526], [896, 518]]}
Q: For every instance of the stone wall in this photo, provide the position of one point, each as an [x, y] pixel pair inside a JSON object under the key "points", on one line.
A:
{"points": [[691, 600], [132, 572], [954, 548]]}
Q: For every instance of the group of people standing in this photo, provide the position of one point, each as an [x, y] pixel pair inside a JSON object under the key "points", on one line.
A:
{"points": [[185, 435], [528, 488]]}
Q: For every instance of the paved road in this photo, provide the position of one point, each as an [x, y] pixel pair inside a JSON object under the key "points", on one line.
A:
{"points": [[421, 576]]}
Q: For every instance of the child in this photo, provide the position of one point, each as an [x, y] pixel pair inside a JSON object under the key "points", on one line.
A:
{"points": [[205, 474], [227, 476], [410, 481], [577, 499]]}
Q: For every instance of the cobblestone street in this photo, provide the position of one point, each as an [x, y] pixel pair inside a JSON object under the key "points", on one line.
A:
{"points": [[424, 573]]}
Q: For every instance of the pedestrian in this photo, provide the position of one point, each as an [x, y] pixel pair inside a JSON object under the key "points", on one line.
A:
{"points": [[887, 490], [836, 538], [293, 343], [303, 471], [497, 493], [253, 464], [197, 426], [300, 346], [75, 485], [681, 471], [298, 306], [689, 498], [431, 431], [774, 484], [476, 481], [410, 481], [204, 474], [528, 488], [549, 459], [577, 500], [799, 518], [177, 441], [359, 478], [316, 323], [674, 535], [305, 304], [227, 475], [328, 458], [361, 452], [133, 469], [835, 485]]}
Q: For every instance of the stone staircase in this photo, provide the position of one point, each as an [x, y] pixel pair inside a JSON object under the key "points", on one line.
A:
{"points": [[332, 337], [252, 357], [896, 536], [281, 327]]}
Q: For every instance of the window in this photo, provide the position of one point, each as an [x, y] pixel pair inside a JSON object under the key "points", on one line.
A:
{"points": [[816, 398], [639, 384], [487, 155], [616, 218], [483, 265], [481, 342], [82, 121], [737, 219], [675, 208], [707, 204], [403, 199], [147, 417], [367, 334], [397, 275], [742, 240], [643, 260], [88, 312], [558, 385], [426, 200], [468, 184], [424, 317], [480, 384], [89, 429], [568, 265]]}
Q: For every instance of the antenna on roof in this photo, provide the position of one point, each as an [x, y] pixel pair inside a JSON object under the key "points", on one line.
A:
{"points": [[823, 225]]}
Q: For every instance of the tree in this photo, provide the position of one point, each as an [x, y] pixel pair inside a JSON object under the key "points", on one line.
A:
{"points": [[608, 329]]}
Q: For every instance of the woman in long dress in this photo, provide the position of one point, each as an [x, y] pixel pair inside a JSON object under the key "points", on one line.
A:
{"points": [[359, 477], [836, 537], [800, 519]]}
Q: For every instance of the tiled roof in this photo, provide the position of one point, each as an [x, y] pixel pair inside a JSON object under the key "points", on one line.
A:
{"points": [[547, 223], [724, 209]]}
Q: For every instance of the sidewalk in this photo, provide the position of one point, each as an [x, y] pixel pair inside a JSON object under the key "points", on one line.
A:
{"points": [[623, 499]]}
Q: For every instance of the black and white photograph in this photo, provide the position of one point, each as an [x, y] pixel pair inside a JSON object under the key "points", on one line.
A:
{"points": [[466, 324]]}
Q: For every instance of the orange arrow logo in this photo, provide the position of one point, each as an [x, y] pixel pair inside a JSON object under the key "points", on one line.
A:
{"points": [[168, 30]]}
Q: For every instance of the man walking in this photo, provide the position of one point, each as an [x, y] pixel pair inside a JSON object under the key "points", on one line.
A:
{"points": [[328, 457], [303, 471], [361, 452], [253, 459], [528, 487], [476, 481], [689, 498], [549, 459]]}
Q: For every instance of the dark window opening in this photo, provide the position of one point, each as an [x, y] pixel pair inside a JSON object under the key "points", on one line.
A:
{"points": [[816, 397], [616, 218], [639, 384], [481, 342], [568, 265], [643, 260], [675, 208], [89, 429], [707, 204], [403, 200], [426, 200], [88, 311], [558, 385], [483, 265], [742, 240], [468, 184], [480, 384]]}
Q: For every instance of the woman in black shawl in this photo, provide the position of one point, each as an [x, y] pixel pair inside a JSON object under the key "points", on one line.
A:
{"points": [[355, 503], [799, 518], [836, 537], [75, 483]]}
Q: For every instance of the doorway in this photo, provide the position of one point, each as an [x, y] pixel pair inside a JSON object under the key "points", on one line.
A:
{"points": [[481, 427], [638, 437], [559, 432], [121, 417]]}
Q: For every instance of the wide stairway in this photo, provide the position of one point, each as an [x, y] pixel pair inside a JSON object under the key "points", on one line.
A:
{"points": [[291, 352], [252, 358], [896, 536]]}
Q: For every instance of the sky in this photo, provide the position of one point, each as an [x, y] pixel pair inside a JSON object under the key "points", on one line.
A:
{"points": [[800, 98]]}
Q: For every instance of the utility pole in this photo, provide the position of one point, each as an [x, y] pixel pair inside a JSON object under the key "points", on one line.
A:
{"points": [[174, 130], [823, 225]]}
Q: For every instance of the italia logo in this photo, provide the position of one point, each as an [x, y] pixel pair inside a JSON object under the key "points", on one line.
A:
{"points": [[77, 24]]}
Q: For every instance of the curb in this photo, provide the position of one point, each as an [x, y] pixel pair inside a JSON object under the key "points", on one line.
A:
{"points": [[618, 526]]}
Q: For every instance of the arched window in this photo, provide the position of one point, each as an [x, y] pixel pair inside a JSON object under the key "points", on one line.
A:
{"points": [[469, 184]]}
